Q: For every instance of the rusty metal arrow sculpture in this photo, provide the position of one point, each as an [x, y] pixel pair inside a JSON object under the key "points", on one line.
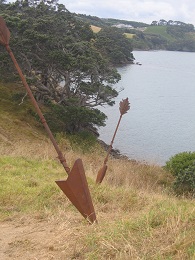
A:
{"points": [[124, 107], [75, 187]]}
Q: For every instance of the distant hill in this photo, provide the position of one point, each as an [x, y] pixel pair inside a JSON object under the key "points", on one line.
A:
{"points": [[102, 22], [162, 34], [175, 37]]}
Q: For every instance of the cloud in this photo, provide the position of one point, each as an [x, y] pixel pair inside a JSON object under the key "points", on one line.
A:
{"points": [[139, 10]]}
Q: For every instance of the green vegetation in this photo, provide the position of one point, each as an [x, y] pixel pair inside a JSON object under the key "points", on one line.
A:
{"points": [[185, 181], [73, 119], [67, 66], [104, 22], [175, 38], [73, 72], [159, 30], [27, 185], [131, 221], [139, 217], [182, 166], [180, 162], [167, 35], [108, 41]]}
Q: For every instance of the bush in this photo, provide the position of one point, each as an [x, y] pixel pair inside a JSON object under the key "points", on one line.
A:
{"points": [[182, 166], [180, 162], [185, 181], [73, 119]]}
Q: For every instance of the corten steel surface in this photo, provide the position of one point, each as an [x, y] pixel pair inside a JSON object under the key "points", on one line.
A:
{"points": [[123, 107], [76, 187], [4, 33], [81, 199]]}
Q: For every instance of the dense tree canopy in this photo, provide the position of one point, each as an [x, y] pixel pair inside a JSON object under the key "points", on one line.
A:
{"points": [[114, 45], [63, 61]]}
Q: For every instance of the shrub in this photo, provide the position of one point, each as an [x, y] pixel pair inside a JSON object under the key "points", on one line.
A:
{"points": [[179, 162], [185, 181], [73, 119], [182, 166]]}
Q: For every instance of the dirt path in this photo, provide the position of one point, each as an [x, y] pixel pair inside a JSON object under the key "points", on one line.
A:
{"points": [[38, 240]]}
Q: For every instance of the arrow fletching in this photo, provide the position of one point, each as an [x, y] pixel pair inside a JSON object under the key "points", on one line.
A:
{"points": [[124, 106], [4, 32]]}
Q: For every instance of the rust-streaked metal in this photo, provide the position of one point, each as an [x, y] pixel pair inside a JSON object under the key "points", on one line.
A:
{"points": [[123, 108], [76, 187], [4, 33], [80, 198]]}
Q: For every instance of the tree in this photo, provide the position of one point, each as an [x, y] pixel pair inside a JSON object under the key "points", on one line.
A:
{"points": [[170, 22], [114, 45], [59, 57], [2, 5], [154, 23], [162, 22]]}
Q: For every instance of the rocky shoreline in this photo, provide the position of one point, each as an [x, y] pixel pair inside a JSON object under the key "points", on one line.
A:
{"points": [[115, 153]]}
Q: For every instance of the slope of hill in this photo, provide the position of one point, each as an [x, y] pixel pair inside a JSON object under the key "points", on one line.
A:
{"points": [[102, 22], [176, 36], [159, 30], [17, 126], [139, 217]]}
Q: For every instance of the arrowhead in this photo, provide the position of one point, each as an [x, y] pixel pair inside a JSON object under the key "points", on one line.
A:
{"points": [[101, 174], [77, 191]]}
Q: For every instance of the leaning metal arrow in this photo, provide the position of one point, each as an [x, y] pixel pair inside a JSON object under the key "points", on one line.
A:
{"points": [[124, 107], [75, 187]]}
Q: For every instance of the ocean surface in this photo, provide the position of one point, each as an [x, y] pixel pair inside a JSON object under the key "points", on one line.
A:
{"points": [[161, 120]]}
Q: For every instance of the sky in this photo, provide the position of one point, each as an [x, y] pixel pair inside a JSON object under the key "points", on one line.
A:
{"points": [[135, 10]]}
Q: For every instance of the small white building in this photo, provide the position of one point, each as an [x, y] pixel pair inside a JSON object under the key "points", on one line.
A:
{"points": [[121, 25]]}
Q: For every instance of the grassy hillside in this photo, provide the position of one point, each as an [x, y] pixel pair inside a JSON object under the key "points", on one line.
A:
{"points": [[138, 216], [129, 35], [95, 29], [159, 30], [102, 22], [148, 37]]}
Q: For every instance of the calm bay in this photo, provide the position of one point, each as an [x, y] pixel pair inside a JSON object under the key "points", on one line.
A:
{"points": [[161, 121]]}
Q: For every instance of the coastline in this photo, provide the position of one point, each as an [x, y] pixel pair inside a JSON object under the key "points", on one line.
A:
{"points": [[115, 153]]}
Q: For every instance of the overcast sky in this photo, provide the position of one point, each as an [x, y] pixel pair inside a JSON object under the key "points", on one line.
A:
{"points": [[135, 10]]}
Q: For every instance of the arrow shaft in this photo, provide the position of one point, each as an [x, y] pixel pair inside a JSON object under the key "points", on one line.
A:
{"points": [[2, 37], [110, 146], [42, 118]]}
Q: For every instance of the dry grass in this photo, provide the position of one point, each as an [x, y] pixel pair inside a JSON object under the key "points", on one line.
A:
{"points": [[129, 35], [138, 217], [95, 29]]}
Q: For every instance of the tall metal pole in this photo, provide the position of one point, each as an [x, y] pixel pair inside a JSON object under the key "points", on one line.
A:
{"points": [[42, 118]]}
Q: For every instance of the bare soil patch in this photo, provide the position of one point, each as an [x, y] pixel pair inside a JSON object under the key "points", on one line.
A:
{"points": [[30, 238]]}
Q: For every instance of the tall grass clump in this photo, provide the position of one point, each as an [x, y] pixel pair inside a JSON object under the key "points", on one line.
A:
{"points": [[28, 185], [83, 141]]}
